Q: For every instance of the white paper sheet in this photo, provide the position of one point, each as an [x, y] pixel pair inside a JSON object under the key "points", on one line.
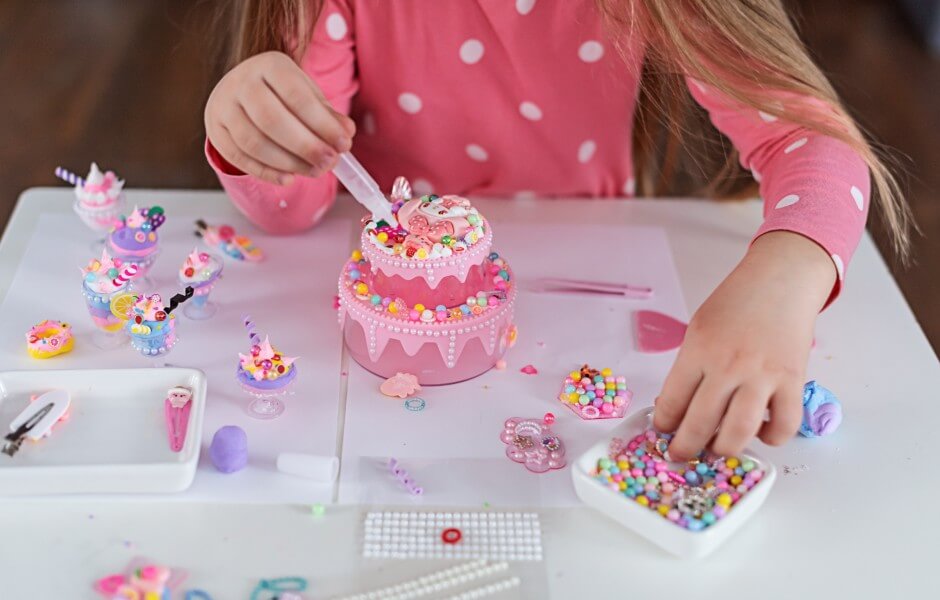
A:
{"points": [[289, 296], [452, 448]]}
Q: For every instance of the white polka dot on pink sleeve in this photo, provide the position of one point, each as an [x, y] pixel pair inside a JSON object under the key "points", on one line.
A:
{"points": [[858, 197], [796, 145], [530, 111], [410, 103], [477, 152], [586, 150], [524, 7], [840, 266], [471, 51], [336, 27], [788, 200], [591, 51]]}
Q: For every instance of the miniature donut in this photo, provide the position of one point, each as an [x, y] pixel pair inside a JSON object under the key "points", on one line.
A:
{"points": [[49, 338]]}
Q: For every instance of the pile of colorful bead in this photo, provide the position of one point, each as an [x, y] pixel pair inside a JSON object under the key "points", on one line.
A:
{"points": [[357, 274], [694, 495], [593, 394]]}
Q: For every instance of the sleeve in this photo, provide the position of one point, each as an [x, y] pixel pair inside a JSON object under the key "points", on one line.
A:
{"points": [[331, 62], [812, 184]]}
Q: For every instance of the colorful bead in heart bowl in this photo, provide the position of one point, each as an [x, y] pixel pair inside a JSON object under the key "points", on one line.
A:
{"points": [[595, 394], [693, 495], [687, 508]]}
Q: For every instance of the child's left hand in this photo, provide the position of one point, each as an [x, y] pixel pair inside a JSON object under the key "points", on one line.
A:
{"points": [[746, 351]]}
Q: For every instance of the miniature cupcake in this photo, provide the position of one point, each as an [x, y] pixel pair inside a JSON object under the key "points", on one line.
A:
{"points": [[99, 198], [201, 271], [134, 238], [265, 374], [102, 280], [150, 324]]}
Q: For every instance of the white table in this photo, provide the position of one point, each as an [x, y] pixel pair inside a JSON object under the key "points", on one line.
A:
{"points": [[858, 522]]}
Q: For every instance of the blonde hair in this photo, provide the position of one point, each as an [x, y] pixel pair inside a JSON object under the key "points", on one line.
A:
{"points": [[746, 49]]}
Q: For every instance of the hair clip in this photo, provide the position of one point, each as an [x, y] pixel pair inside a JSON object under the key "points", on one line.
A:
{"points": [[36, 420], [224, 238], [282, 588], [402, 475], [176, 407]]}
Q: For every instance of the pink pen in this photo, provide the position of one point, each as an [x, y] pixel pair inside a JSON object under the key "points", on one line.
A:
{"points": [[176, 407], [592, 287]]}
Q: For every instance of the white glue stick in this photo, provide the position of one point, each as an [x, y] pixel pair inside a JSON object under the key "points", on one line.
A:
{"points": [[322, 469]]}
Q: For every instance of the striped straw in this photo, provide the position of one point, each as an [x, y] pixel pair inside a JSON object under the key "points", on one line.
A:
{"points": [[69, 177], [252, 334]]}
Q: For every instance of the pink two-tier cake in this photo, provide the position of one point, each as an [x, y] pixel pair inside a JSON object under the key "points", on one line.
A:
{"points": [[428, 296]]}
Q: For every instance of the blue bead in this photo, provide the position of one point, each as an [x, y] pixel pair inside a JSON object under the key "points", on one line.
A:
{"points": [[709, 518], [701, 468], [629, 481], [639, 464], [693, 477], [630, 492], [493, 256], [738, 471], [652, 495], [465, 309], [614, 469], [639, 452], [569, 389], [355, 275], [591, 395], [696, 525], [440, 307]]}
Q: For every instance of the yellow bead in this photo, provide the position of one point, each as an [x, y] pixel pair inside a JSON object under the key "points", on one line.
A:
{"points": [[398, 248], [732, 462], [421, 253], [607, 372], [643, 500], [622, 485], [622, 464], [357, 255], [573, 398], [361, 288], [419, 307], [393, 308], [382, 237], [724, 500], [736, 480], [662, 509], [575, 375]]}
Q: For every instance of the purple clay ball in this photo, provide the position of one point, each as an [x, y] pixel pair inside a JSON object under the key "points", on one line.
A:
{"points": [[229, 449]]}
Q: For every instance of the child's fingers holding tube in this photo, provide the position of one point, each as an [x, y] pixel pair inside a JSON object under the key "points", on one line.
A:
{"points": [[299, 95], [278, 123], [254, 143], [224, 143]]}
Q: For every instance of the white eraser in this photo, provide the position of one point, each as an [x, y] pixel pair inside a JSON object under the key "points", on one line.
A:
{"points": [[322, 469]]}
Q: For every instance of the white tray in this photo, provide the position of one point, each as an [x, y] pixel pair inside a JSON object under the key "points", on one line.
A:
{"points": [[115, 439], [669, 536]]}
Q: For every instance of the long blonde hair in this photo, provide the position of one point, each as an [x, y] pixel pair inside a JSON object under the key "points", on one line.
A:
{"points": [[745, 49]]}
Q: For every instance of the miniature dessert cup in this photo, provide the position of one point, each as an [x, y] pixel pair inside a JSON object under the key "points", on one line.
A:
{"points": [[150, 325], [428, 296], [103, 279], [134, 240], [266, 375], [99, 200], [201, 270]]}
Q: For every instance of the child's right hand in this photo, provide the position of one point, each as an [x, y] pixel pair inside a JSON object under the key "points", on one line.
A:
{"points": [[269, 119]]}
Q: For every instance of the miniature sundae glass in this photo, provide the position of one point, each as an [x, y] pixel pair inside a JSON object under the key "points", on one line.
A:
{"points": [[266, 375], [201, 270], [99, 200], [102, 280], [134, 239], [149, 323]]}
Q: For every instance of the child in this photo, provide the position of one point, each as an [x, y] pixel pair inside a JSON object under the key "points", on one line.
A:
{"points": [[538, 97]]}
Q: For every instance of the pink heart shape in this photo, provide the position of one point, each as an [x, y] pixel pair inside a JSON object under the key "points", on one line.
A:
{"points": [[656, 332]]}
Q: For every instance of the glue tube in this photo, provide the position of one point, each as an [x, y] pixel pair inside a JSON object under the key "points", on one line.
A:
{"points": [[363, 188], [321, 469]]}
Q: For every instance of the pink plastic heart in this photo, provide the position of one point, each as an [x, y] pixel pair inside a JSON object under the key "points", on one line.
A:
{"points": [[657, 332]]}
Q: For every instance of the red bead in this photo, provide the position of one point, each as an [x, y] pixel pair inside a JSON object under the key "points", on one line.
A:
{"points": [[277, 357], [226, 232], [549, 418], [189, 271], [160, 316], [451, 535], [281, 369], [138, 319]]}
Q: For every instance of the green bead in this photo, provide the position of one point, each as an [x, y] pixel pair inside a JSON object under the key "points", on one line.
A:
{"points": [[446, 240], [317, 510], [584, 399], [748, 466], [155, 210], [473, 219]]}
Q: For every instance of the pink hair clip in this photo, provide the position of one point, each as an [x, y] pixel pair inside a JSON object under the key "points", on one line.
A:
{"points": [[176, 407]]}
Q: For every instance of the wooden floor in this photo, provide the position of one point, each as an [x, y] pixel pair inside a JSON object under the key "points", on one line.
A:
{"points": [[124, 83]]}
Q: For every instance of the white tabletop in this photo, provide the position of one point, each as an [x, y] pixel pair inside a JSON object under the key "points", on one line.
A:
{"points": [[856, 522]]}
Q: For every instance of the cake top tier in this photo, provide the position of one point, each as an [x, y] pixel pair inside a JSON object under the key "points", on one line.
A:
{"points": [[429, 228]]}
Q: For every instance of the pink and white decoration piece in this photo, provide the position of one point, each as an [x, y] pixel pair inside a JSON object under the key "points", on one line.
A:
{"points": [[532, 443]]}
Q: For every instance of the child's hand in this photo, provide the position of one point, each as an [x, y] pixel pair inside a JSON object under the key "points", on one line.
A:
{"points": [[746, 351], [269, 119]]}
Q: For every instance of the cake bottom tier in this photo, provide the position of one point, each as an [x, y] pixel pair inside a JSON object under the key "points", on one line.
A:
{"points": [[475, 350]]}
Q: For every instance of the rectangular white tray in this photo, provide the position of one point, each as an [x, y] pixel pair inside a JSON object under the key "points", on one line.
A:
{"points": [[665, 534], [115, 438]]}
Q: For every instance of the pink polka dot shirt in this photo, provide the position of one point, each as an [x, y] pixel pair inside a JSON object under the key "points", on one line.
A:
{"points": [[528, 98]]}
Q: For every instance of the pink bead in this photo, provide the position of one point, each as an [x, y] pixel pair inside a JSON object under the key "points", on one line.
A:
{"points": [[662, 477], [660, 466], [607, 408], [501, 285], [735, 497], [614, 487], [651, 435], [618, 477], [718, 511], [633, 445], [668, 488], [636, 472], [493, 301], [621, 457], [757, 475], [549, 418], [649, 472], [609, 380], [414, 315], [441, 315], [386, 301], [720, 478], [649, 487], [673, 515], [619, 401]]}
